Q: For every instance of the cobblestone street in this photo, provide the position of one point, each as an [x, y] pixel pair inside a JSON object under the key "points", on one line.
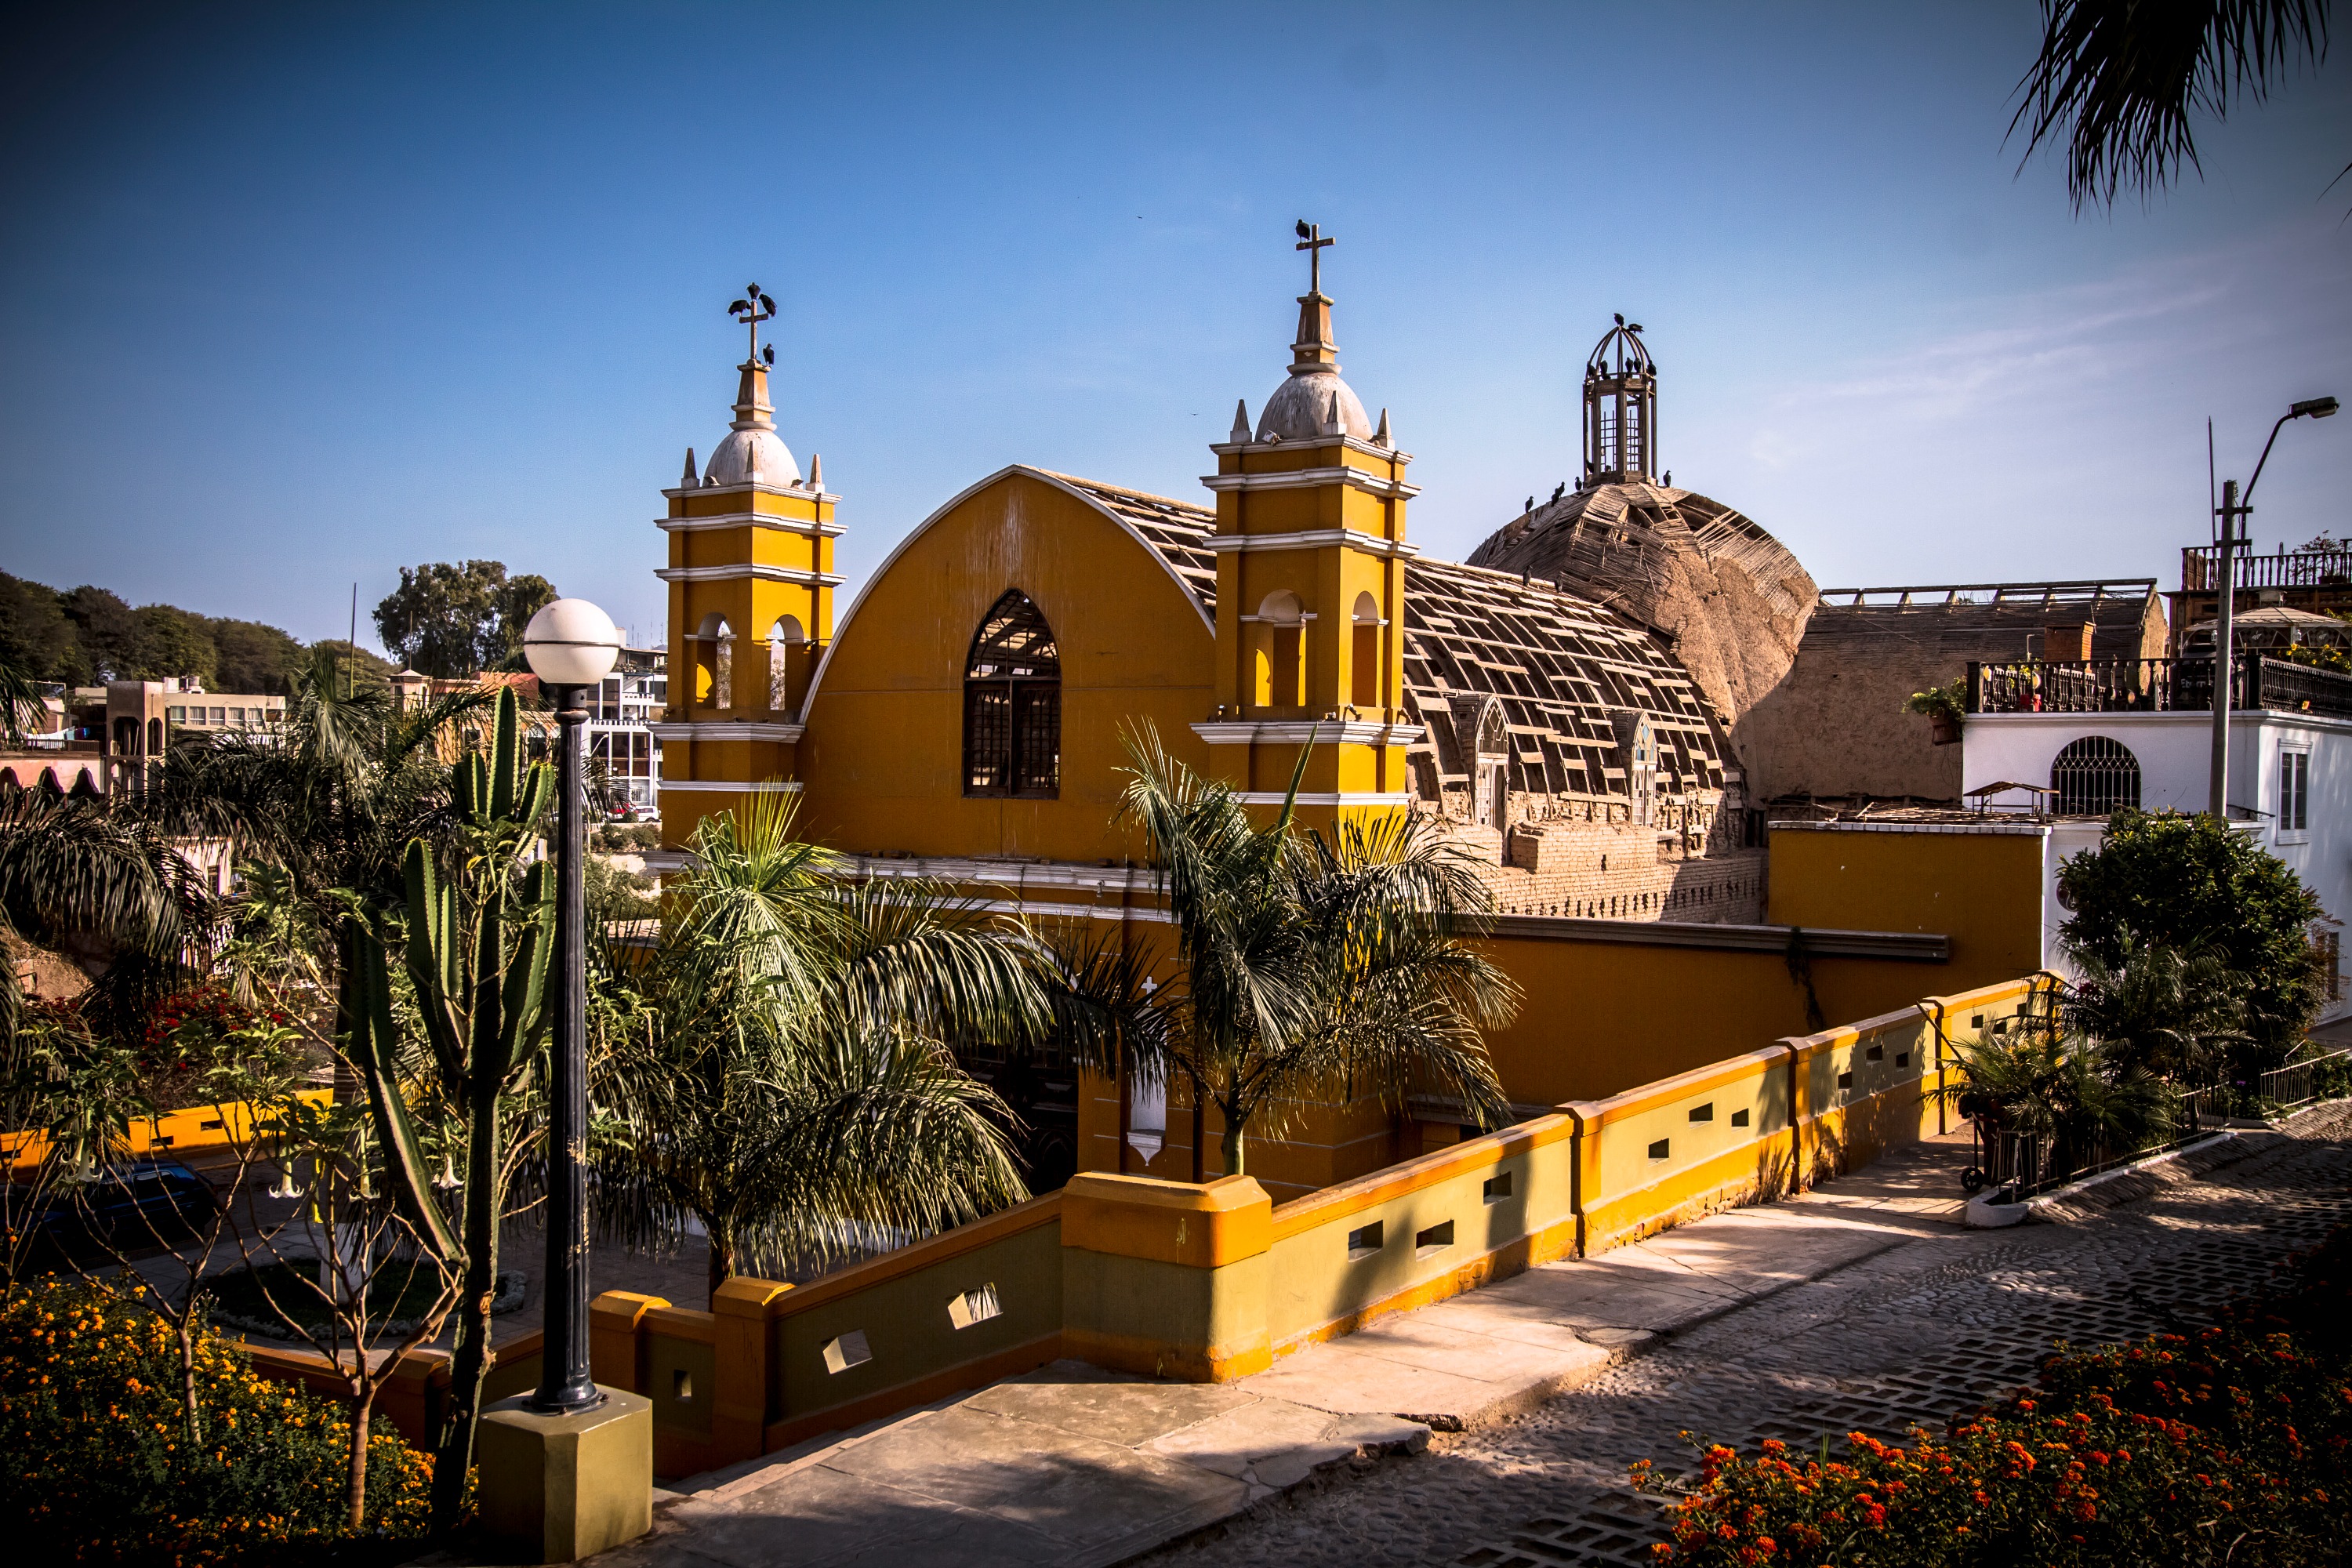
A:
{"points": [[1906, 1337]]}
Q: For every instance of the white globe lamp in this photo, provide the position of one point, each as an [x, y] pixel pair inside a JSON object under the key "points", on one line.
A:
{"points": [[571, 642]]}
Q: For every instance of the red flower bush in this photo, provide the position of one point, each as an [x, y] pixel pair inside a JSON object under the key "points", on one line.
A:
{"points": [[2230, 1445]]}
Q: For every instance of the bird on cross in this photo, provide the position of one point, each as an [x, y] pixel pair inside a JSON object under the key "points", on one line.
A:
{"points": [[753, 311], [1311, 240]]}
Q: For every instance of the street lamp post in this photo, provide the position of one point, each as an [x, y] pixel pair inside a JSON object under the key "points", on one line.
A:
{"points": [[2233, 513], [571, 646]]}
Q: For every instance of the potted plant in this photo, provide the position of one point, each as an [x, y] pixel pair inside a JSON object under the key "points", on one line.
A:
{"points": [[1943, 706]]}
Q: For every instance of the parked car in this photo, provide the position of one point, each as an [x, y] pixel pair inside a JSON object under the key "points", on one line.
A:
{"points": [[155, 1203]]}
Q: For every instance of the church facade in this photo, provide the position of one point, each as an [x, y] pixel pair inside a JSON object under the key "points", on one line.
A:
{"points": [[968, 715]]}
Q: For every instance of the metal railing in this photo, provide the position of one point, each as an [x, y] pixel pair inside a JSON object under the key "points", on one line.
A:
{"points": [[2153, 685], [2200, 569], [2299, 1083]]}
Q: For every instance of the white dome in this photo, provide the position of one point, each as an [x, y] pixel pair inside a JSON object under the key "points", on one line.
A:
{"points": [[754, 454], [1301, 406]]}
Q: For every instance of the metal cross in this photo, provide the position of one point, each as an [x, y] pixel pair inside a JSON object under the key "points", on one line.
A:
{"points": [[1311, 241], [752, 309]]}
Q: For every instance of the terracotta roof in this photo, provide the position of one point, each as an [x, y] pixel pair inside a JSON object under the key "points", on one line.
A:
{"points": [[1558, 665]]}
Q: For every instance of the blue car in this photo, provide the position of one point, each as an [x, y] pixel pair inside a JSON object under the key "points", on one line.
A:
{"points": [[155, 1203]]}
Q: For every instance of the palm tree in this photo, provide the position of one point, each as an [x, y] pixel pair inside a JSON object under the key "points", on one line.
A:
{"points": [[784, 1075], [2118, 79], [2084, 1097], [2175, 1013], [1308, 961]]}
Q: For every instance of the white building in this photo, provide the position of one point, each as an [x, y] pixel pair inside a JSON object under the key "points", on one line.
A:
{"points": [[2095, 738]]}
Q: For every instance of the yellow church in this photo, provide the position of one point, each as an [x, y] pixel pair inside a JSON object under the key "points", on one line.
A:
{"points": [[964, 718]]}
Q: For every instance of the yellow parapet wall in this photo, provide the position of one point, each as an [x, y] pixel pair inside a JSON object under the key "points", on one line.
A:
{"points": [[1211, 1282], [197, 1127]]}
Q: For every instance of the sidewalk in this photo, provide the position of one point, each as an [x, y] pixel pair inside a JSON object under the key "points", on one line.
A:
{"points": [[1073, 1466]]}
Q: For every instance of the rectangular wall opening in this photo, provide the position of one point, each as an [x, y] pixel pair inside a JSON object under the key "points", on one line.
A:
{"points": [[1661, 1149], [681, 1385], [1436, 1238], [1846, 1080], [1364, 1241], [850, 1349], [1739, 1119], [1702, 1112], [1498, 1187], [974, 1307]]}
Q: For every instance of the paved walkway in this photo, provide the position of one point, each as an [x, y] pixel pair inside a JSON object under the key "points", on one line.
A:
{"points": [[1862, 1304]]}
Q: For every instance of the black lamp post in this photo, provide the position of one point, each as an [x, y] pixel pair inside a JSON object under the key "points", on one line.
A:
{"points": [[571, 646], [2232, 514]]}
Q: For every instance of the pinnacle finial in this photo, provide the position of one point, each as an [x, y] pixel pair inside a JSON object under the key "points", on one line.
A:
{"points": [[1381, 437], [1333, 423], [1241, 432], [688, 479], [816, 471]]}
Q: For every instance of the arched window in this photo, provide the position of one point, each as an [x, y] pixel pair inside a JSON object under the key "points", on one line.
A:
{"points": [[1013, 704], [785, 634], [1493, 778], [2095, 776], [1364, 682], [1281, 665], [154, 737], [714, 662]]}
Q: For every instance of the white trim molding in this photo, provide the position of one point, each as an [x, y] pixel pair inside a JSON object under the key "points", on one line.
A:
{"points": [[802, 525], [751, 487], [728, 730], [1320, 797], [1314, 478], [1350, 443], [750, 569], [715, 786], [1314, 539], [1303, 732]]}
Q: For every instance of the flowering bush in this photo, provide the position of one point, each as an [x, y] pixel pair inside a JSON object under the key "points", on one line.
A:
{"points": [[2231, 1445], [102, 1467]]}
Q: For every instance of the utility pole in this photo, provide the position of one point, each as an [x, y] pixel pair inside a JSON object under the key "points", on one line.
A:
{"points": [[2232, 512], [2232, 515]]}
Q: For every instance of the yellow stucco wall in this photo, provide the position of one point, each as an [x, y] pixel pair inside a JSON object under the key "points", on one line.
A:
{"points": [[1983, 891], [1600, 1017], [881, 762]]}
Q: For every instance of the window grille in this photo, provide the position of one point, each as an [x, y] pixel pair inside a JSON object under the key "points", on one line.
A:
{"points": [[2094, 776], [1013, 704]]}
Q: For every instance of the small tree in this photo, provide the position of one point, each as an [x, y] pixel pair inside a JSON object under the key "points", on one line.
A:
{"points": [[1308, 960], [2189, 883], [2177, 1015]]}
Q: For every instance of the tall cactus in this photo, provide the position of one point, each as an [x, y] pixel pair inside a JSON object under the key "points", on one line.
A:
{"points": [[479, 935]]}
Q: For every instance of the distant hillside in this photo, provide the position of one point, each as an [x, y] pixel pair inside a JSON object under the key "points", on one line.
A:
{"points": [[86, 635]]}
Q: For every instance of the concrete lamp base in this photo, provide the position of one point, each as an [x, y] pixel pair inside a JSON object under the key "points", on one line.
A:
{"points": [[565, 1487]]}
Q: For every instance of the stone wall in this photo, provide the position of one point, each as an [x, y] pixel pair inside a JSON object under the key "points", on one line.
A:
{"points": [[1615, 869]]}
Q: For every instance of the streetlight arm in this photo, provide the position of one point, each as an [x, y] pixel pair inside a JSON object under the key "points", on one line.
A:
{"points": [[2247, 499]]}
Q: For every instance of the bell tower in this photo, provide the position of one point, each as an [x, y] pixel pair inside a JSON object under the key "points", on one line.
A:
{"points": [[750, 604], [1310, 545]]}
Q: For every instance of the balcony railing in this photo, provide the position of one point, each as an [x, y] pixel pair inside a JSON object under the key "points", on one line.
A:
{"points": [[2200, 569], [2154, 686]]}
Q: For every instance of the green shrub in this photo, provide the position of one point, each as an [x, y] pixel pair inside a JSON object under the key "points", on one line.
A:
{"points": [[102, 1467], [2232, 1445]]}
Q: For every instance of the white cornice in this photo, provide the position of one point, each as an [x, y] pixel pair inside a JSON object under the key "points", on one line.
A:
{"points": [[1303, 732], [1313, 539], [728, 730], [749, 569], [1311, 478], [764, 786], [751, 487], [801, 525], [1352, 443], [1344, 797]]}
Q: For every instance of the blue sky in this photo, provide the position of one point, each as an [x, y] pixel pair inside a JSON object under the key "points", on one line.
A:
{"points": [[290, 298]]}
